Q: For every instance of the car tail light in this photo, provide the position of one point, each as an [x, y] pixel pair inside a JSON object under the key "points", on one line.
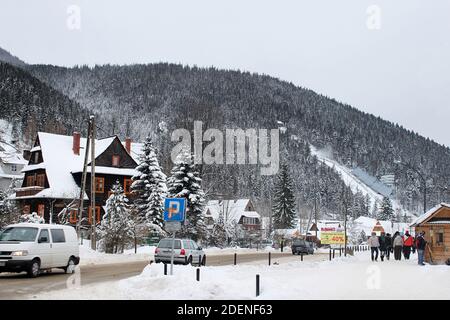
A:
{"points": [[182, 252]]}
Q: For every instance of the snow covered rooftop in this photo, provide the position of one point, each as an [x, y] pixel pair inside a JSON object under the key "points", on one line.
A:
{"points": [[11, 157], [232, 210], [59, 162], [136, 150], [367, 224], [428, 214]]}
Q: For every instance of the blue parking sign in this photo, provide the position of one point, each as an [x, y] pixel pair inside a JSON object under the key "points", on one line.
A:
{"points": [[174, 209]]}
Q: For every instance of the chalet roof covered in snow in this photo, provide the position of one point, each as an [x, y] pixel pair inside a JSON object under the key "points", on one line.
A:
{"points": [[136, 150], [59, 162], [367, 225], [324, 225], [232, 210], [286, 233], [429, 213], [12, 157]]}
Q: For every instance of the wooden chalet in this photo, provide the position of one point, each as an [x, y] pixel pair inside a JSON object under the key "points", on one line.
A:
{"points": [[436, 224], [52, 177]]}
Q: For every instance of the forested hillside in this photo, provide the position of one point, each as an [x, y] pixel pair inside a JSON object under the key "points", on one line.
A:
{"points": [[136, 99], [31, 105]]}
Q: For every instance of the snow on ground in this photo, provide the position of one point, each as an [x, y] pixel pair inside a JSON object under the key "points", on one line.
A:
{"points": [[91, 257], [146, 253], [343, 278], [349, 179], [352, 181]]}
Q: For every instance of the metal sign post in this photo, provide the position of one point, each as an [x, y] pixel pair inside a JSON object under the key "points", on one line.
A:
{"points": [[174, 214], [173, 254]]}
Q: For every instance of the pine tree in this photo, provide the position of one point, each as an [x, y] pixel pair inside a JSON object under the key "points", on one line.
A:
{"points": [[149, 179], [8, 211], [115, 227], [386, 212], [31, 218], [284, 202], [375, 209], [185, 182], [218, 235]]}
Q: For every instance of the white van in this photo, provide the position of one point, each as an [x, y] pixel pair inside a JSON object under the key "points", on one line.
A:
{"points": [[34, 247]]}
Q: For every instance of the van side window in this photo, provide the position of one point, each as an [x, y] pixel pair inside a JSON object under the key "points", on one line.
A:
{"points": [[58, 235], [194, 245], [44, 234]]}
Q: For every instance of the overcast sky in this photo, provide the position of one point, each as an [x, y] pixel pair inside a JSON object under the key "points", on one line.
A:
{"points": [[392, 60]]}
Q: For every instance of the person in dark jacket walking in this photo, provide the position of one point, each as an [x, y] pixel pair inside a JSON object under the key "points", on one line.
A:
{"points": [[383, 247], [421, 244], [408, 242], [388, 242], [397, 243]]}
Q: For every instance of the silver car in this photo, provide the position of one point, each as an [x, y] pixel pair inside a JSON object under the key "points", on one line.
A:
{"points": [[186, 251]]}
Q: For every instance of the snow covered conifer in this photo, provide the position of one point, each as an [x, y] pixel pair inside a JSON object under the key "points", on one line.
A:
{"points": [[149, 186], [31, 218], [8, 212], [115, 227], [284, 201], [386, 210], [185, 182], [218, 235]]}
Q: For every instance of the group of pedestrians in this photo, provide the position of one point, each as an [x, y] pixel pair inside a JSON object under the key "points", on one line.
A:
{"points": [[397, 244]]}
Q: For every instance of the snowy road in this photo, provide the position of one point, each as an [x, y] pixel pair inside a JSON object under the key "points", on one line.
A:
{"points": [[16, 286]]}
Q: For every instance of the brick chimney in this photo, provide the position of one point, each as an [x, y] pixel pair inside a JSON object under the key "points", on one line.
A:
{"points": [[128, 145], [76, 143]]}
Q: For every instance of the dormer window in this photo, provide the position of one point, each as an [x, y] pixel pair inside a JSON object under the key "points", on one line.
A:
{"points": [[115, 160], [13, 168]]}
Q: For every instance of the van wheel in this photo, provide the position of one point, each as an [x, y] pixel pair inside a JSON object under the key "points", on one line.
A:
{"points": [[70, 268], [189, 261], [34, 269], [203, 263]]}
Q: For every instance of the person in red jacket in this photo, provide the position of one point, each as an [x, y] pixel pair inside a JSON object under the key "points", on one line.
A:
{"points": [[408, 242]]}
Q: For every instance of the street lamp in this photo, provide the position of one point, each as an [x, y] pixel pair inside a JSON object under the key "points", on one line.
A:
{"points": [[424, 181]]}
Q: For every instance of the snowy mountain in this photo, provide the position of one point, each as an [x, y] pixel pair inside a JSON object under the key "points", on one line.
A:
{"points": [[7, 57], [140, 97], [356, 184], [30, 105], [155, 99]]}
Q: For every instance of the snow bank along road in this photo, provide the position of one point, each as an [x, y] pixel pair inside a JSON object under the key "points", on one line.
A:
{"points": [[351, 277], [18, 286]]}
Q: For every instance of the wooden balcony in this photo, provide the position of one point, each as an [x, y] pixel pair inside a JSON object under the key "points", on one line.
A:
{"points": [[28, 191]]}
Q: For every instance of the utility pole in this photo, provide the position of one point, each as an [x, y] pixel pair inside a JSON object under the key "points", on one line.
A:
{"points": [[83, 182], [315, 211], [93, 211], [345, 203]]}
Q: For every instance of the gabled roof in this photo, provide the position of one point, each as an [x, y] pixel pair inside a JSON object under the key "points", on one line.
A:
{"points": [[11, 157], [59, 161], [429, 214], [367, 224], [136, 150], [232, 210]]}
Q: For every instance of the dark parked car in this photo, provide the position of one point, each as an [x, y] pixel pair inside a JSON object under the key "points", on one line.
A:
{"points": [[300, 246]]}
